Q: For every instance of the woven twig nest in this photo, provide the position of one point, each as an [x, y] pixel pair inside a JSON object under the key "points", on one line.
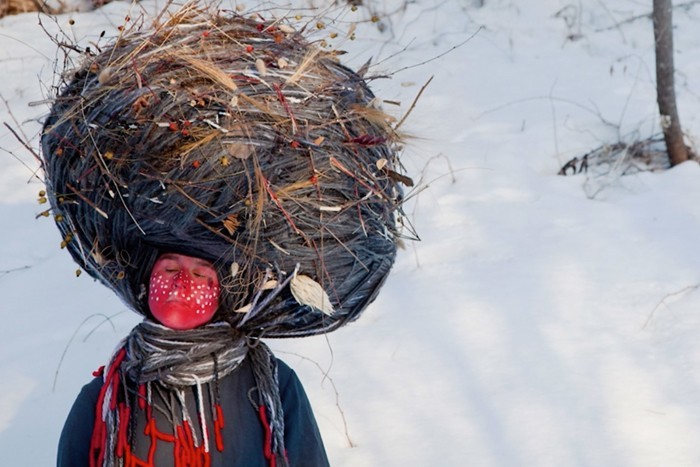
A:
{"points": [[238, 141]]}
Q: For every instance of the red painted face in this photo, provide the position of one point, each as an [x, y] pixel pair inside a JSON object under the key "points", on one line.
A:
{"points": [[183, 292]]}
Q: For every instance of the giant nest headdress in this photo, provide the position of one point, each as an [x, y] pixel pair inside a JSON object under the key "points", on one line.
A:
{"points": [[234, 140]]}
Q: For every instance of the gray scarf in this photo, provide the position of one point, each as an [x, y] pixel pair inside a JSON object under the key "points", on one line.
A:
{"points": [[153, 353], [182, 358]]}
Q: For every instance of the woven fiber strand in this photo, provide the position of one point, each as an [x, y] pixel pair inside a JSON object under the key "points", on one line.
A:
{"points": [[235, 140]]}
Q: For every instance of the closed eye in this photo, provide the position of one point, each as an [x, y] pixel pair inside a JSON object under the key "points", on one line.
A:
{"points": [[202, 275]]}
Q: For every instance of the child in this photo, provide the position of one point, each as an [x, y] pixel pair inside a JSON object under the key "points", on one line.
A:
{"points": [[182, 393], [227, 162]]}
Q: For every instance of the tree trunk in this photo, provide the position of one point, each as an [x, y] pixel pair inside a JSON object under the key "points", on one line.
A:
{"points": [[665, 89]]}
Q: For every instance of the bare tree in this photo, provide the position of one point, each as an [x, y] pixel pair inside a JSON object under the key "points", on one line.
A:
{"points": [[665, 89]]}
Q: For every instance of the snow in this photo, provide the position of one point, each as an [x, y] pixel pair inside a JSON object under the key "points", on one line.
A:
{"points": [[540, 321]]}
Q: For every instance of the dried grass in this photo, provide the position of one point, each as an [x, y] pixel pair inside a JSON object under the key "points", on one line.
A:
{"points": [[15, 7]]}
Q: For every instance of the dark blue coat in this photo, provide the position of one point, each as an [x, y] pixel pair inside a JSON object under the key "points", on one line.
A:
{"points": [[243, 433]]}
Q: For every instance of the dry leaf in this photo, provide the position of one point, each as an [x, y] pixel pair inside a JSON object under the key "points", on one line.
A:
{"points": [[381, 163], [234, 269], [282, 63], [399, 178], [231, 223], [244, 309], [260, 65], [286, 28], [238, 149], [104, 75], [307, 291], [269, 285], [319, 140]]}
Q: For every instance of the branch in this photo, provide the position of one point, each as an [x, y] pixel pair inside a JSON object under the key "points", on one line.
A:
{"points": [[8, 271], [413, 104], [689, 288], [685, 5]]}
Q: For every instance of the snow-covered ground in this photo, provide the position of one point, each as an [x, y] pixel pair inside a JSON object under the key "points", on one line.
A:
{"points": [[541, 321]]}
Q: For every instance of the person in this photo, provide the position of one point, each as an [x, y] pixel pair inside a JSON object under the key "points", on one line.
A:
{"points": [[231, 181], [212, 423]]}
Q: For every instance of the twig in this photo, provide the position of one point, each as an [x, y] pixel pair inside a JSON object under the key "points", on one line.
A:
{"points": [[26, 45], [8, 271], [23, 143], [336, 163], [256, 307], [431, 59], [33, 171], [277, 202], [86, 200], [554, 120], [286, 106], [663, 301], [447, 161], [326, 376], [549, 98], [632, 19], [413, 104], [23, 138], [607, 10], [107, 319]]}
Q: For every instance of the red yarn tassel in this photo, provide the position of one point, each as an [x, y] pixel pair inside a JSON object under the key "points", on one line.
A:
{"points": [[185, 450], [142, 396], [262, 411], [99, 431], [218, 427], [99, 372]]}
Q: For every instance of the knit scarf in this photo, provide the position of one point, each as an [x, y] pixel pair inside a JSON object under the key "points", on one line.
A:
{"points": [[156, 358]]}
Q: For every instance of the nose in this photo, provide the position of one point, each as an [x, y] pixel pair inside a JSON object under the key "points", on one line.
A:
{"points": [[182, 280]]}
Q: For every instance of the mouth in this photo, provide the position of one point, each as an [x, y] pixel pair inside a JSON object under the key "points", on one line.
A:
{"points": [[175, 298]]}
